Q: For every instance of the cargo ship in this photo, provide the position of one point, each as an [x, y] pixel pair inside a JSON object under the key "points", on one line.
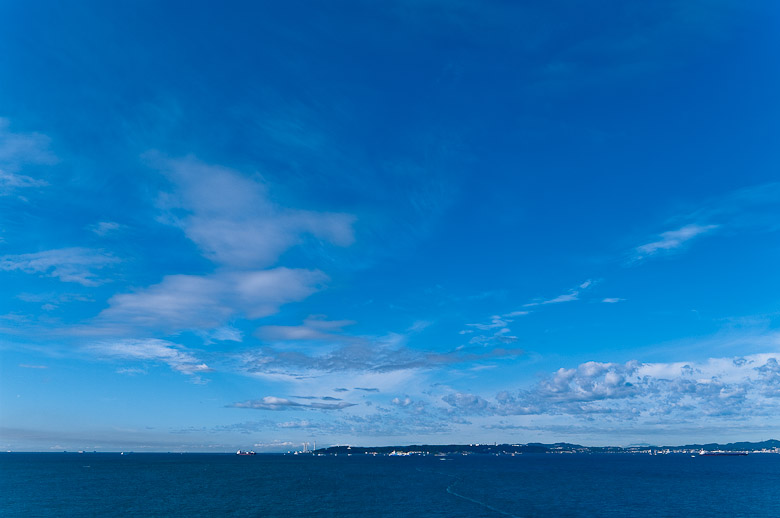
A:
{"points": [[721, 453], [241, 452]]}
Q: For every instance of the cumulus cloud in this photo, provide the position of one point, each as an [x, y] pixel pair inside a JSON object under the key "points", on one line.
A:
{"points": [[468, 403], [279, 403], [150, 350], [232, 218], [718, 387], [402, 402], [206, 302], [67, 264]]}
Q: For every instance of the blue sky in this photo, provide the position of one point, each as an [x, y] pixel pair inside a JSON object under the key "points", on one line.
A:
{"points": [[254, 225]]}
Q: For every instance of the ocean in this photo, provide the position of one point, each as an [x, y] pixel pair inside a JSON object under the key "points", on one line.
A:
{"points": [[530, 485]]}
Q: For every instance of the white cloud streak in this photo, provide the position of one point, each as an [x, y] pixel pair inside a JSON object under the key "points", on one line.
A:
{"points": [[150, 350], [672, 239], [67, 264], [315, 327], [279, 403], [18, 150], [572, 295], [104, 228]]}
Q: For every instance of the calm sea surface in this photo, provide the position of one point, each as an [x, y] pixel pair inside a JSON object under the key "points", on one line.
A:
{"points": [[103, 484]]}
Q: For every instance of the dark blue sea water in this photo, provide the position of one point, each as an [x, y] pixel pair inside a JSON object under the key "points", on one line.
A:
{"points": [[103, 484]]}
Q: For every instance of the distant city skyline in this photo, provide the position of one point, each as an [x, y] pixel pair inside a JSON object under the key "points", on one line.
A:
{"points": [[259, 225]]}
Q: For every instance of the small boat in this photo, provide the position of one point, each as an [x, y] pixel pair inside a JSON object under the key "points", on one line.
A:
{"points": [[242, 452]]}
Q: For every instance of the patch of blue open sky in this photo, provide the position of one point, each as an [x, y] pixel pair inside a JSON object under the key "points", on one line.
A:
{"points": [[415, 222]]}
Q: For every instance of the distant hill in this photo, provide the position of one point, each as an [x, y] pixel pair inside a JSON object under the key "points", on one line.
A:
{"points": [[733, 446]]}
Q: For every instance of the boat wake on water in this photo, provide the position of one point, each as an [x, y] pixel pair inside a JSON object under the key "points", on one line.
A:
{"points": [[451, 491]]}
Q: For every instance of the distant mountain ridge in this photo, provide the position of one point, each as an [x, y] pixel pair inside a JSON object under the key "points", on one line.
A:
{"points": [[559, 447]]}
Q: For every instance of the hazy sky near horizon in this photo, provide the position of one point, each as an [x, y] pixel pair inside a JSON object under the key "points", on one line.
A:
{"points": [[256, 224]]}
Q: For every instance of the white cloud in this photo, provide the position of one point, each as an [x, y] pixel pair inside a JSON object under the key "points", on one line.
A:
{"points": [[744, 387], [469, 403], [612, 300], [495, 322], [67, 264], [361, 356], [18, 150], [10, 182], [517, 314], [103, 228], [150, 349], [226, 333], [566, 297], [232, 218], [401, 402], [498, 325], [572, 295], [672, 239], [207, 302], [279, 403], [315, 327]]}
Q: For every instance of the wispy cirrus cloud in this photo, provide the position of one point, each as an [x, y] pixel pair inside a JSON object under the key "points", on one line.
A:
{"points": [[495, 322], [314, 327], [361, 357], [279, 403], [18, 150], [379, 424], [233, 220], [104, 228], [10, 182], [150, 350], [671, 240], [571, 295], [67, 264], [755, 208], [750, 209], [497, 326]]}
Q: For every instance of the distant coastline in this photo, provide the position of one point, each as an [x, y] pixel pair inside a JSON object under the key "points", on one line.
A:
{"points": [[769, 446]]}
